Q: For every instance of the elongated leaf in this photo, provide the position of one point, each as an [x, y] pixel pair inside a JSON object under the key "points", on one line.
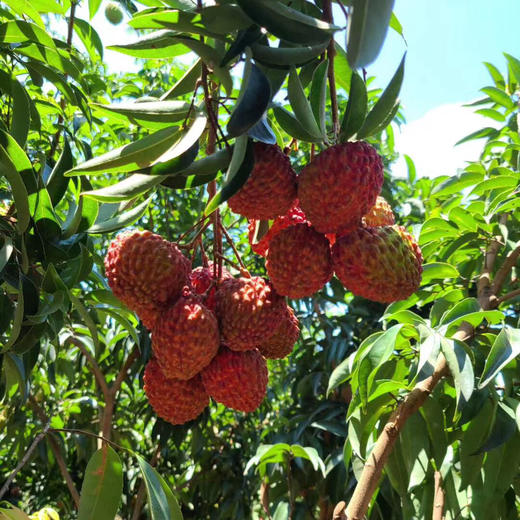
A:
{"points": [[130, 157], [126, 189], [102, 486], [57, 183], [505, 348], [158, 44], [253, 101], [18, 189], [208, 165], [90, 38], [438, 270], [21, 117], [292, 126], [318, 96], [367, 28], [356, 109], [287, 56], [120, 221], [385, 104], [499, 96], [19, 31], [488, 132], [514, 66], [163, 504], [5, 252], [503, 429], [244, 39], [186, 83], [287, 23], [262, 132], [461, 369], [155, 111], [240, 167], [301, 106]]}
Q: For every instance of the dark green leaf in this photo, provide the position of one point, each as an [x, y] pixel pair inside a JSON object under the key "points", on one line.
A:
{"points": [[367, 27], [186, 83], [244, 39], [57, 183], [287, 56], [318, 95], [102, 486], [292, 126], [356, 109]]}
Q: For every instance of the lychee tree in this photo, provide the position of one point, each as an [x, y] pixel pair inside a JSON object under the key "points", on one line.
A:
{"points": [[405, 411]]}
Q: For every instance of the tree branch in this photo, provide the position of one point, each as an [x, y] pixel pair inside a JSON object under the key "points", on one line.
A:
{"points": [[438, 498], [40, 412], [124, 371], [505, 269], [507, 296], [24, 460]]}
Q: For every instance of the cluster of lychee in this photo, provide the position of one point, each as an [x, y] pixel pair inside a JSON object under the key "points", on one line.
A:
{"points": [[211, 332], [328, 219]]}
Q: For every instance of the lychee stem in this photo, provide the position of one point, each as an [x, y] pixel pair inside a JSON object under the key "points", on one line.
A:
{"points": [[230, 242]]}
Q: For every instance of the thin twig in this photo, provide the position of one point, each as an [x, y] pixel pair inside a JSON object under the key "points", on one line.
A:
{"points": [[40, 412], [124, 371], [24, 460], [230, 242], [507, 296], [88, 434], [439, 498]]}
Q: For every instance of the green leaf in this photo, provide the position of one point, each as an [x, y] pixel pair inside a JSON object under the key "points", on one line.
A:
{"points": [[514, 66], [385, 105], [57, 182], [19, 31], [21, 117], [287, 56], [505, 348], [287, 23], [438, 270], [25, 8], [243, 40], [367, 28], [15, 373], [282, 511], [500, 181], [311, 454], [301, 106], [503, 429], [341, 374], [158, 44], [487, 132], [102, 486], [356, 109], [18, 189], [461, 369], [292, 126], [457, 183], [120, 221], [499, 96], [186, 83], [90, 38], [342, 70], [154, 111], [318, 95], [208, 165], [163, 504], [133, 156], [93, 6], [5, 252], [255, 95], [127, 189], [466, 306], [242, 162]]}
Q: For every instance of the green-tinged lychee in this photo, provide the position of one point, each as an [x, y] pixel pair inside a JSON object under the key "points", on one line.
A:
{"points": [[113, 13], [383, 264]]}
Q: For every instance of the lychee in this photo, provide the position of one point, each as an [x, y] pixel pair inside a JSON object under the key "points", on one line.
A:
{"points": [[174, 400], [201, 279], [185, 338], [380, 214], [270, 189], [299, 261], [113, 13], [383, 264], [237, 379], [340, 185], [294, 216], [281, 343], [249, 310], [146, 272]]}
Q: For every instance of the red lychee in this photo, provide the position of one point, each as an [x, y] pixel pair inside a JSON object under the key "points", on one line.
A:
{"points": [[340, 185], [294, 216], [185, 338], [299, 261], [249, 310], [383, 264], [380, 214], [237, 379], [146, 272], [281, 343], [270, 189], [174, 400], [201, 279]]}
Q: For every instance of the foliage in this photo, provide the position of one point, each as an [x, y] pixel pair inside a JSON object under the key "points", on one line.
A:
{"points": [[84, 153]]}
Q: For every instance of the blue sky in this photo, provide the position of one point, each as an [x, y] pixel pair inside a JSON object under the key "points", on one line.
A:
{"points": [[447, 42]]}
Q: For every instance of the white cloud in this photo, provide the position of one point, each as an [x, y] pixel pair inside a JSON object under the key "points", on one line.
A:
{"points": [[430, 141]]}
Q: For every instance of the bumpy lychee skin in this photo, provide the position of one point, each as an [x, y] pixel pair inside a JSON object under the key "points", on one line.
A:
{"points": [[294, 216], [174, 400], [281, 343], [185, 338], [146, 272], [383, 264], [237, 379], [340, 186], [249, 310], [270, 189], [299, 261], [201, 279], [380, 214]]}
